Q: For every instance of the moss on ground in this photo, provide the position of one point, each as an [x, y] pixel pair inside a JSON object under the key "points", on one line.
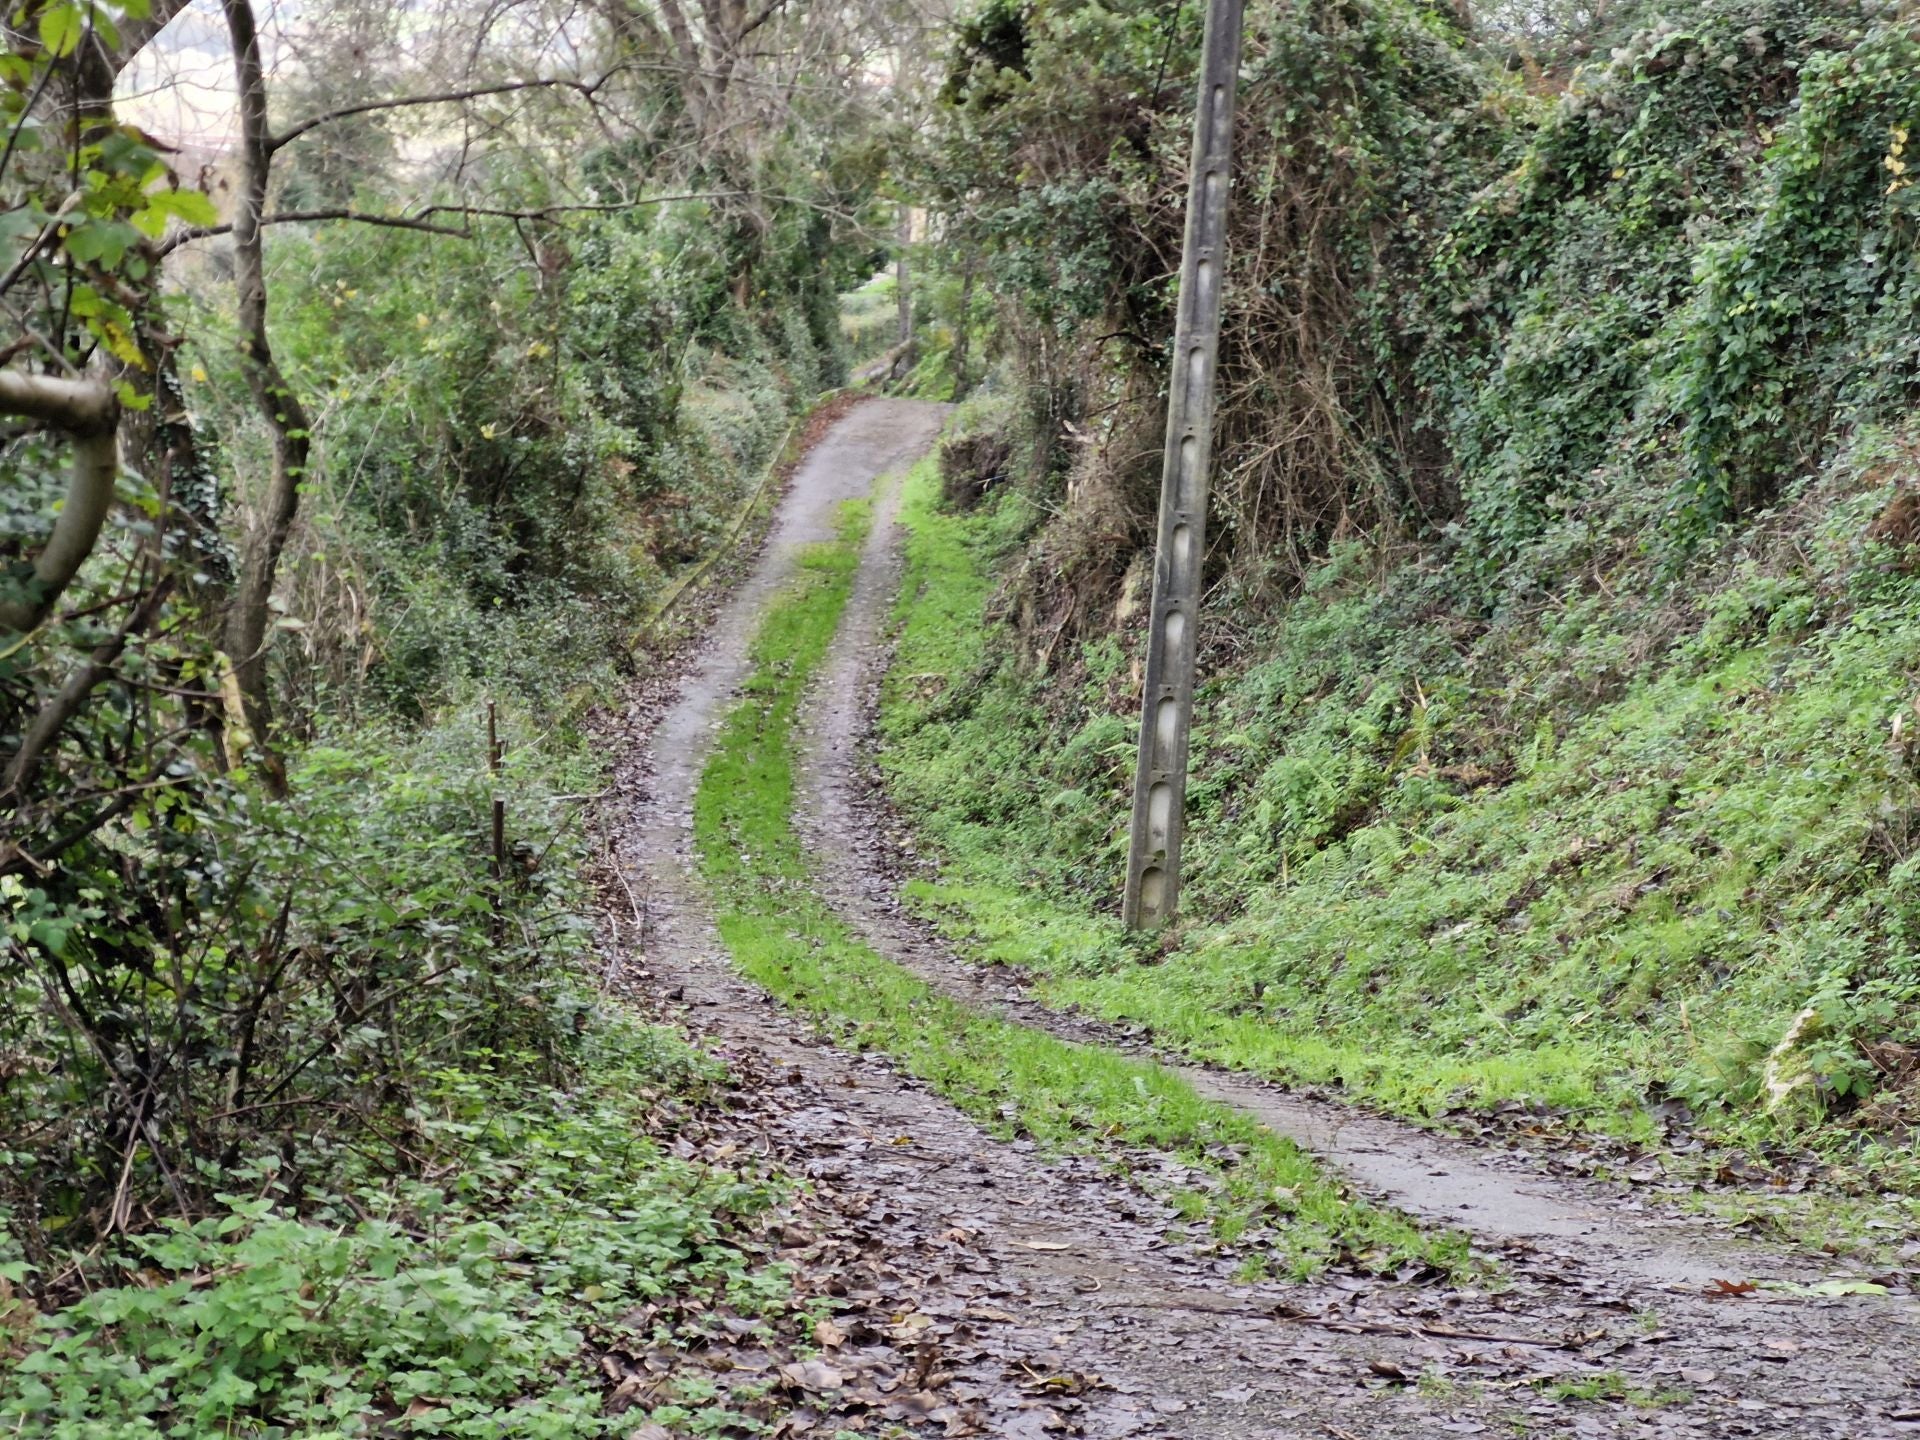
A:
{"points": [[1589, 859]]}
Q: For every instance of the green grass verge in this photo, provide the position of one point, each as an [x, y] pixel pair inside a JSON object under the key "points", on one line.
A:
{"points": [[1641, 910], [1011, 1077]]}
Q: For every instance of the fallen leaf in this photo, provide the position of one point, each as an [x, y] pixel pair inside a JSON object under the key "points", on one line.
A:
{"points": [[812, 1375], [989, 1312], [1731, 1287]]}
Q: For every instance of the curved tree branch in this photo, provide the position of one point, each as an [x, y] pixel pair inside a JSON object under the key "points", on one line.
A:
{"points": [[87, 411]]}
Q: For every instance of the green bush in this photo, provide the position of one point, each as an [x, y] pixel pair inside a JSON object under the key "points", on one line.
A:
{"points": [[453, 1308]]}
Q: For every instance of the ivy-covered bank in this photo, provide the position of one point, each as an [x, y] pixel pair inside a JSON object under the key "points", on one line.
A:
{"points": [[1696, 884], [1557, 745], [1536, 294]]}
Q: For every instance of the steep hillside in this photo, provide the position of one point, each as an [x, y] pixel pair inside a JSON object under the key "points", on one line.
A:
{"points": [[1558, 748]]}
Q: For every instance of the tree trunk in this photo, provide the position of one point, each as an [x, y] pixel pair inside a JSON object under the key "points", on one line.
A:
{"points": [[900, 277], [963, 335], [248, 616]]}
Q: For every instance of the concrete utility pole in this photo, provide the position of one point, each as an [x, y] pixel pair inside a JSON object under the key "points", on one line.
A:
{"points": [[1166, 712]]}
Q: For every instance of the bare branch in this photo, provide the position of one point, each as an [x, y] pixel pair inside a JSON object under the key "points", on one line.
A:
{"points": [[772, 8], [420, 222], [547, 212], [446, 97], [55, 715], [293, 217]]}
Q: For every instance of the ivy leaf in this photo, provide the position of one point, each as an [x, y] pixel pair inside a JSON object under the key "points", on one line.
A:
{"points": [[189, 207], [60, 30], [51, 935]]}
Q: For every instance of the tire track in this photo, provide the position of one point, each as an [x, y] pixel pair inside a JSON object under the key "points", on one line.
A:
{"points": [[1626, 1284], [1052, 1300]]}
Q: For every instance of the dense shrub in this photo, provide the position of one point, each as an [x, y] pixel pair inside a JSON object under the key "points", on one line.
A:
{"points": [[1542, 314]]}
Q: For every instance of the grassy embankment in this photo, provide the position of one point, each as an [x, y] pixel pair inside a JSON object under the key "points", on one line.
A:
{"points": [[1011, 1077], [1702, 843]]}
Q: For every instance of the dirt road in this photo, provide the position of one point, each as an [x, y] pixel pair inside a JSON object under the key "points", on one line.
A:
{"points": [[1009, 1293]]}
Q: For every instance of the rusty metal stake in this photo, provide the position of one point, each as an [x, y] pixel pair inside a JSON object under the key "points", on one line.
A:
{"points": [[1166, 712]]}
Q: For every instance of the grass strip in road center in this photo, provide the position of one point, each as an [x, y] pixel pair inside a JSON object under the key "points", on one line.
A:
{"points": [[1256, 1189]]}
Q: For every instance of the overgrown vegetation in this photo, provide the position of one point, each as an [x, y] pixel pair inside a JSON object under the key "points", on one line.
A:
{"points": [[1413, 878], [1557, 750], [301, 1041]]}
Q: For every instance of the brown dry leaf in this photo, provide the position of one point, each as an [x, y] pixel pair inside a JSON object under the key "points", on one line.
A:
{"points": [[1731, 1287], [922, 1403], [1066, 1382], [627, 1394], [989, 1312], [812, 1375], [827, 1335]]}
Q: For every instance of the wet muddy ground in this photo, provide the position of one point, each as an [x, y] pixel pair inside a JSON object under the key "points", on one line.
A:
{"points": [[986, 1288]]}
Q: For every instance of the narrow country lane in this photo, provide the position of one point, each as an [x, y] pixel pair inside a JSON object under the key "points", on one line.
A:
{"points": [[1045, 1294]]}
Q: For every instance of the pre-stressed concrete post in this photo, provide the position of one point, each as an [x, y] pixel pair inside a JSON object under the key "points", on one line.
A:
{"points": [[1166, 715]]}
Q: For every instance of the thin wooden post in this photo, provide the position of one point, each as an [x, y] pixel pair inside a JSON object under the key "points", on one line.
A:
{"points": [[1166, 711], [498, 816]]}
